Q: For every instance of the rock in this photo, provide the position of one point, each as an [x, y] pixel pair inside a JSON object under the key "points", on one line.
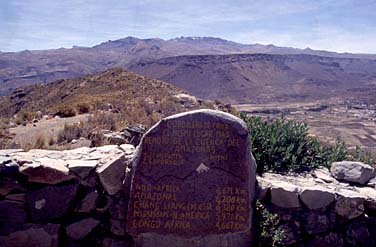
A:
{"points": [[351, 171], [81, 229], [118, 227], [372, 183], [9, 152], [12, 211], [5, 160], [128, 149], [51, 202], [112, 173], [349, 204], [46, 171], [16, 197], [323, 174], [370, 195], [88, 203], [33, 235], [328, 239], [118, 208], [285, 195], [133, 133], [81, 168], [114, 138], [8, 166], [317, 198], [198, 164], [290, 234], [357, 234], [315, 222], [8, 185], [109, 242]]}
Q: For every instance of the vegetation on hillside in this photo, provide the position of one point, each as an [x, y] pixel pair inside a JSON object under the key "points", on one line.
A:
{"points": [[283, 145]]}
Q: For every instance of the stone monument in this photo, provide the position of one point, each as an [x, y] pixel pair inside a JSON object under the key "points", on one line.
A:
{"points": [[192, 182]]}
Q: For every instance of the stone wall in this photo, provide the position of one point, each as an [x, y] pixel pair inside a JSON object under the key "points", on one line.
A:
{"points": [[77, 198], [317, 210], [64, 198]]}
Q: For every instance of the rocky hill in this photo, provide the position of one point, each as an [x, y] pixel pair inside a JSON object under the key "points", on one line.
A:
{"points": [[27, 67], [117, 90], [265, 78]]}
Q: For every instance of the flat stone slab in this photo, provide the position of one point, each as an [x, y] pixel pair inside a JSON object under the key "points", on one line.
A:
{"points": [[193, 180], [46, 170]]}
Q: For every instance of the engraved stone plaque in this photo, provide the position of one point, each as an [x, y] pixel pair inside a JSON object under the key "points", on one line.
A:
{"points": [[193, 182]]}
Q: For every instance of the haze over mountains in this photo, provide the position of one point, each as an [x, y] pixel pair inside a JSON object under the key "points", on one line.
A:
{"points": [[207, 67]]}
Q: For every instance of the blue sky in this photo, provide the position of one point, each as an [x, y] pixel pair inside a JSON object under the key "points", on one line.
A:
{"points": [[335, 25]]}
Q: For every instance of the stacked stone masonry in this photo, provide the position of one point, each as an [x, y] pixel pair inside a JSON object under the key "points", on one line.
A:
{"points": [[75, 198], [80, 197]]}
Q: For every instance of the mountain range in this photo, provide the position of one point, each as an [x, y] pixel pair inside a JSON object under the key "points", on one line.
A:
{"points": [[210, 68]]}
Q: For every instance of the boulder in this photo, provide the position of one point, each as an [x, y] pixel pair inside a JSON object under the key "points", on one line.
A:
{"points": [[51, 202], [349, 204], [317, 197], [88, 203], [351, 171], [285, 195], [32, 235], [81, 229], [112, 173], [46, 171]]}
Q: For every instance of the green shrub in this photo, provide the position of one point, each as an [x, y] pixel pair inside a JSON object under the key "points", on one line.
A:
{"points": [[283, 145], [269, 231]]}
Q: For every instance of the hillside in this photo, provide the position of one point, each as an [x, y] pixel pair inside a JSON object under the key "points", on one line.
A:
{"points": [[266, 78], [139, 99], [28, 67]]}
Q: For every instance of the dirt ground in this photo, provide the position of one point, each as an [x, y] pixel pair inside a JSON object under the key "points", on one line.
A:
{"points": [[47, 128]]}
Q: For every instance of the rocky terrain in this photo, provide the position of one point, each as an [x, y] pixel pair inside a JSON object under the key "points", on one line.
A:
{"points": [[266, 78], [28, 67]]}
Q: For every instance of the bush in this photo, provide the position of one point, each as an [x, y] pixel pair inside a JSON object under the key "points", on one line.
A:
{"points": [[269, 231], [71, 132], [65, 111], [283, 145], [24, 117], [83, 108], [102, 121]]}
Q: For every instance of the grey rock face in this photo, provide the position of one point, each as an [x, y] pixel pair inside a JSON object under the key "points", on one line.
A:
{"points": [[350, 171]]}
